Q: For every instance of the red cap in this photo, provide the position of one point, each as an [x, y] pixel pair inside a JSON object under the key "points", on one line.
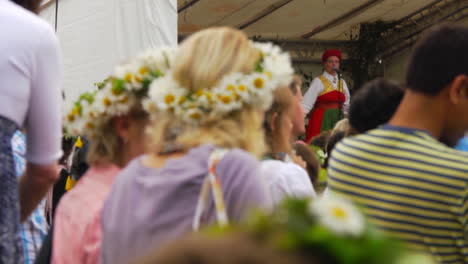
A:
{"points": [[329, 53]]}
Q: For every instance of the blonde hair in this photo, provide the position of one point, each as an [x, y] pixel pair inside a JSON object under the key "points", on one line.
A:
{"points": [[202, 61], [106, 145]]}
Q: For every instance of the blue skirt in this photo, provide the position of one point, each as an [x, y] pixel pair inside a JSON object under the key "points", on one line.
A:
{"points": [[10, 242]]}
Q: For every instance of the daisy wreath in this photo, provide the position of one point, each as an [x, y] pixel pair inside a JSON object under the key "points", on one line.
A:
{"points": [[119, 93], [233, 92]]}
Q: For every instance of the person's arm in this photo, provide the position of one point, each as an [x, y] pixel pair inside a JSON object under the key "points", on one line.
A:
{"points": [[43, 123], [315, 88], [348, 98]]}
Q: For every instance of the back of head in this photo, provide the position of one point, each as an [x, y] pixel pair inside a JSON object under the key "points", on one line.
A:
{"points": [[31, 5], [438, 57], [201, 63], [208, 55], [374, 104], [335, 137], [321, 140], [278, 133], [313, 164]]}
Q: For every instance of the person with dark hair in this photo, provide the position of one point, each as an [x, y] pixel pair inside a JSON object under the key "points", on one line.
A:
{"points": [[327, 98], [374, 104], [405, 175], [30, 74], [312, 163]]}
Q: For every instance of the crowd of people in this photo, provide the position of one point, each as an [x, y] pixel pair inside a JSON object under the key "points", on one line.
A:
{"points": [[199, 153]]}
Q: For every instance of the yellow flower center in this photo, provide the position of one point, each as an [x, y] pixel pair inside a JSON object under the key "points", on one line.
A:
{"points": [[339, 213], [195, 115], [128, 77], [116, 91], [124, 99], [75, 111], [90, 125], [106, 101], [182, 100], [225, 99], [259, 83], [169, 99], [242, 88], [199, 93], [70, 118], [231, 88], [143, 70], [138, 79]]}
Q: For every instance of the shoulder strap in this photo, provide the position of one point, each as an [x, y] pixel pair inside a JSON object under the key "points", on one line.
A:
{"points": [[212, 182]]}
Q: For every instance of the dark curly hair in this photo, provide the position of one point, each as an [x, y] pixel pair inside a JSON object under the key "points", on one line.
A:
{"points": [[438, 57], [374, 104]]}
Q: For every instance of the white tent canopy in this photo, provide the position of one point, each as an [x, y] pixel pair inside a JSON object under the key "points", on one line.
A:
{"points": [[95, 35]]}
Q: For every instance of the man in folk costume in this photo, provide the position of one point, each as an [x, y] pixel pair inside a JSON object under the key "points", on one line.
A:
{"points": [[327, 97]]}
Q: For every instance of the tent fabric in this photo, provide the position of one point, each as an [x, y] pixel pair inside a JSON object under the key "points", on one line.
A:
{"points": [[97, 35]]}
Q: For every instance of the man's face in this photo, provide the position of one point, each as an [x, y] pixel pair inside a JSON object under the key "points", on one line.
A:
{"points": [[298, 119], [331, 63]]}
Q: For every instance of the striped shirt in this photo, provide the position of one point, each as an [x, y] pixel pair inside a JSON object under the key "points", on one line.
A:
{"points": [[410, 185]]}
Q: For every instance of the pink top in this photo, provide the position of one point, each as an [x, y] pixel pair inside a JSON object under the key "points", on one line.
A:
{"points": [[77, 228]]}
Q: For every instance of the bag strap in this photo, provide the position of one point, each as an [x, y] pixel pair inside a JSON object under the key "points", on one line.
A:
{"points": [[212, 182]]}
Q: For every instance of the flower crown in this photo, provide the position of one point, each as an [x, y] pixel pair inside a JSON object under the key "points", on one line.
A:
{"points": [[232, 93], [119, 93], [329, 229]]}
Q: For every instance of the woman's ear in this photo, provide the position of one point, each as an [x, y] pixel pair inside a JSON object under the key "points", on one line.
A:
{"points": [[458, 89], [121, 125], [273, 121]]}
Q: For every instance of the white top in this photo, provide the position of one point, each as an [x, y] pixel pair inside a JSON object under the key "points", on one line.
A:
{"points": [[286, 179], [317, 87], [30, 74]]}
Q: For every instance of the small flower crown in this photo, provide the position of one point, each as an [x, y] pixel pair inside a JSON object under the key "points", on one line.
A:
{"points": [[232, 93], [119, 93]]}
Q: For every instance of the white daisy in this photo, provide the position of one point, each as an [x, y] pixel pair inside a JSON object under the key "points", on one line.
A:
{"points": [[166, 93], [338, 214]]}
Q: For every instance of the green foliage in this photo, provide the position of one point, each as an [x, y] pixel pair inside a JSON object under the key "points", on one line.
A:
{"points": [[292, 228]]}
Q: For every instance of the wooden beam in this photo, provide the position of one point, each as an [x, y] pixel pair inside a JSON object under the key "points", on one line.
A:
{"points": [[265, 12], [407, 41], [341, 19], [187, 5]]}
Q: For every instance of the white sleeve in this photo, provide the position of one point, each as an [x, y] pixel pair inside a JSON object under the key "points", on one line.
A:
{"points": [[43, 119], [348, 97], [299, 184], [315, 88]]}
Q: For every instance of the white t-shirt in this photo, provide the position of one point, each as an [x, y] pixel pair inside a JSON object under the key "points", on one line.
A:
{"points": [[286, 179], [30, 74], [316, 88]]}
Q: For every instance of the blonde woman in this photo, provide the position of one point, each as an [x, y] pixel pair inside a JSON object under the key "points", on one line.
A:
{"points": [[202, 167], [114, 120], [284, 174]]}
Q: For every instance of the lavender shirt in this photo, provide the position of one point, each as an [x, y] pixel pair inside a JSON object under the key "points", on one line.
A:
{"points": [[148, 207]]}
